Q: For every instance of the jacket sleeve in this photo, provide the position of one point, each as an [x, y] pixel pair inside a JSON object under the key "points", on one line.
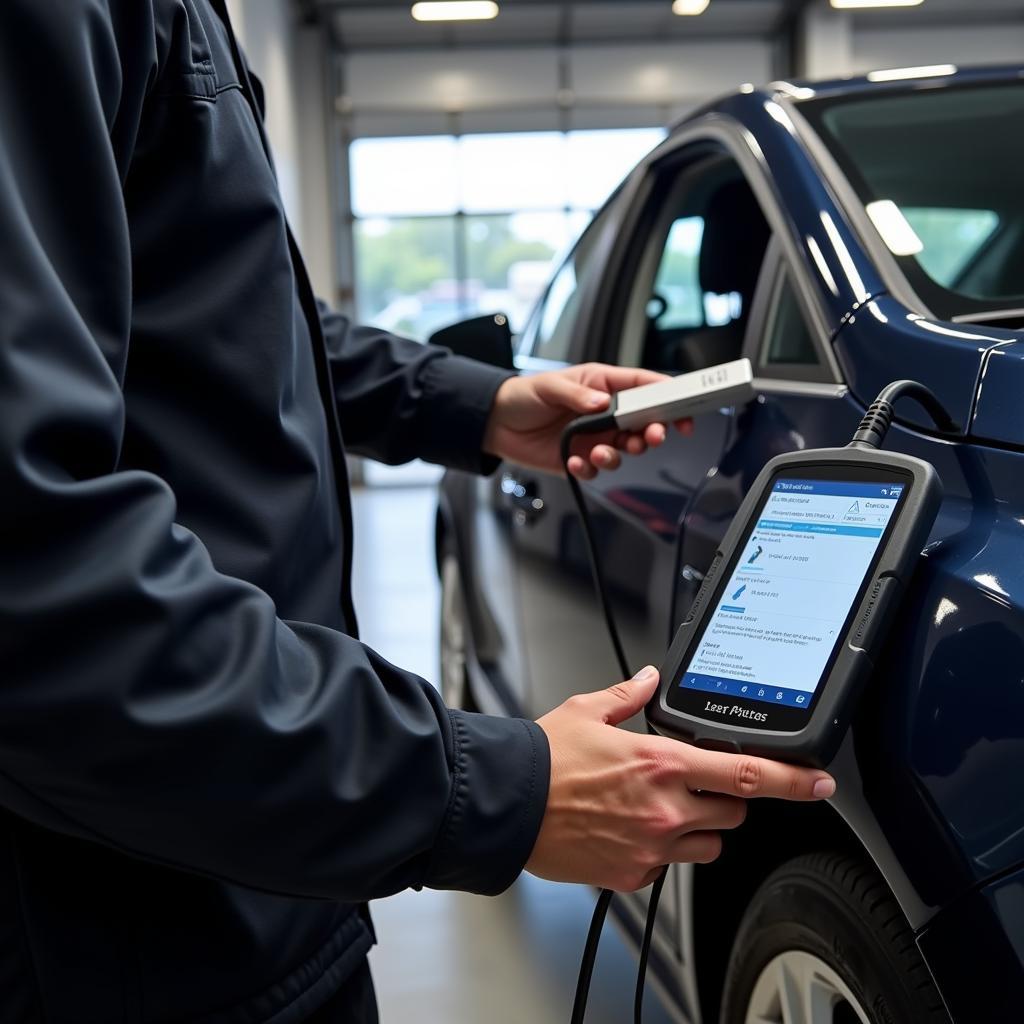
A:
{"points": [[399, 400], [147, 701]]}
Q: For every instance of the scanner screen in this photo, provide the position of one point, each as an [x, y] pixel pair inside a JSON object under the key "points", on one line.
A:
{"points": [[785, 606]]}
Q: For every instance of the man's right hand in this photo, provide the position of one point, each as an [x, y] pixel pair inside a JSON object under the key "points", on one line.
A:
{"points": [[620, 805]]}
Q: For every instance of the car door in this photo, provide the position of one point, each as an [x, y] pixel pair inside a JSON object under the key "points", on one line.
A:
{"points": [[511, 534], [673, 292], [531, 510], [801, 403], [796, 385], [678, 288]]}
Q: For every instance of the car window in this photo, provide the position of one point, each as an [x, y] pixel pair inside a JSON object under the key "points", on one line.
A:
{"points": [[705, 240], [928, 166], [549, 333], [788, 339], [678, 280], [783, 338], [950, 238]]}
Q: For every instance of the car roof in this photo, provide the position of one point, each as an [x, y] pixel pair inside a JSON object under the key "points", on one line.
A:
{"points": [[938, 76]]}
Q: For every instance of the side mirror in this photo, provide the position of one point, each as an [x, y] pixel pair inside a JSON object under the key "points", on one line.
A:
{"points": [[487, 339]]}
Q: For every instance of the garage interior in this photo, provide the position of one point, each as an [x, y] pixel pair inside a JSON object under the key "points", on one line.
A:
{"points": [[383, 127]]}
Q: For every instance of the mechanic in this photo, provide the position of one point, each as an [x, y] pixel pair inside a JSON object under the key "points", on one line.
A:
{"points": [[204, 775]]}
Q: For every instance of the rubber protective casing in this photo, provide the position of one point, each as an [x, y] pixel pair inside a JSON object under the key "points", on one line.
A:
{"points": [[818, 741]]}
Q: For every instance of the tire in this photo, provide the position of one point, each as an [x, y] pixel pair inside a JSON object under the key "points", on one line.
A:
{"points": [[454, 635], [824, 942]]}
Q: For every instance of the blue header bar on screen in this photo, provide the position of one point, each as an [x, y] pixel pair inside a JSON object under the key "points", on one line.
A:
{"points": [[839, 488]]}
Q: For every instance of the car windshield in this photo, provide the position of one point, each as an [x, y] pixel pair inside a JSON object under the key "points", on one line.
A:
{"points": [[938, 170]]}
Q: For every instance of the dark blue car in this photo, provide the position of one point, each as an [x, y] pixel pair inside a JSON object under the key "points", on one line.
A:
{"points": [[841, 235]]}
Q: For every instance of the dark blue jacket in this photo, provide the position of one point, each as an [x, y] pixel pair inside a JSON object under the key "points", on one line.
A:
{"points": [[203, 773]]}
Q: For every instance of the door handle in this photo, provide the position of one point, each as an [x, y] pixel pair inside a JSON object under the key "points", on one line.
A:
{"points": [[524, 498]]}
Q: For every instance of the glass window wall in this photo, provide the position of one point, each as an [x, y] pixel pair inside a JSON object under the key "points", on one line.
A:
{"points": [[450, 227]]}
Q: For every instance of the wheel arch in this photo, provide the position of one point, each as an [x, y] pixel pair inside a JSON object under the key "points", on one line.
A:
{"points": [[774, 833]]}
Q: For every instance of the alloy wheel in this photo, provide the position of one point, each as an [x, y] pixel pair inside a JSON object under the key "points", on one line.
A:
{"points": [[799, 988]]}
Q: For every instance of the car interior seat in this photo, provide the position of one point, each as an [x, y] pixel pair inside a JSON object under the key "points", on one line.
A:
{"points": [[732, 250]]}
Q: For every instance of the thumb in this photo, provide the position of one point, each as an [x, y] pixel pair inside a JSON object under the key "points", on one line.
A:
{"points": [[624, 700], [560, 392]]}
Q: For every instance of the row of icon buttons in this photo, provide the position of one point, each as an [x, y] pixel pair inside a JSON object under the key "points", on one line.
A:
{"points": [[760, 691], [749, 690], [778, 696]]}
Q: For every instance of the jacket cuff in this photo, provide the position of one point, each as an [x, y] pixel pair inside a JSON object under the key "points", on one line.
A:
{"points": [[458, 397], [501, 768]]}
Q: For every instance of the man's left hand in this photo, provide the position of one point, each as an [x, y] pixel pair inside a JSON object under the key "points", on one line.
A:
{"points": [[531, 412]]}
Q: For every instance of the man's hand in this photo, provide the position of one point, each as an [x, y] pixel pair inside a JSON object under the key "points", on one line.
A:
{"points": [[531, 412], [621, 806]]}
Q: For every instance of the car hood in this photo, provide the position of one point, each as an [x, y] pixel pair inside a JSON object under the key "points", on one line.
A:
{"points": [[881, 341]]}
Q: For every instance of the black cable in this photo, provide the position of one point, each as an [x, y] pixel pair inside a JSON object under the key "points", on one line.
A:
{"points": [[598, 424], [593, 425], [877, 420], [645, 946], [579, 1006]]}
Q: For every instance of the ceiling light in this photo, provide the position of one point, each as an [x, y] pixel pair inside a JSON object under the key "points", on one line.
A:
{"points": [[690, 6], [904, 74], [894, 228], [849, 5], [455, 10]]}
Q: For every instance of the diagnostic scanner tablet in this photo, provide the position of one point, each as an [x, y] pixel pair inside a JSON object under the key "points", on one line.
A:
{"points": [[785, 629]]}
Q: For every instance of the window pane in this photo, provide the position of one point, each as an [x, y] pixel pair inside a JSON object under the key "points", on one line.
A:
{"points": [[578, 222], [405, 274], [508, 261], [789, 340], [947, 158], [951, 238], [394, 177], [598, 161], [677, 286], [550, 331], [705, 246], [521, 171], [558, 315]]}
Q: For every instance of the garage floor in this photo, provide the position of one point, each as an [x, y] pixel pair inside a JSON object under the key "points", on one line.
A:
{"points": [[449, 958]]}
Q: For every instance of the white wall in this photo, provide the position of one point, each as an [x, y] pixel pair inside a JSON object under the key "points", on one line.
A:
{"points": [[825, 44], [679, 76], [412, 92], [965, 44], [837, 43], [291, 63]]}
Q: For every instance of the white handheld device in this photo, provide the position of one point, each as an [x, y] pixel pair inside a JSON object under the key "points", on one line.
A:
{"points": [[685, 395]]}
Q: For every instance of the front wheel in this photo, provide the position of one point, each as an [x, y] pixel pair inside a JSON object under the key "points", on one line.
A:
{"points": [[824, 942]]}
